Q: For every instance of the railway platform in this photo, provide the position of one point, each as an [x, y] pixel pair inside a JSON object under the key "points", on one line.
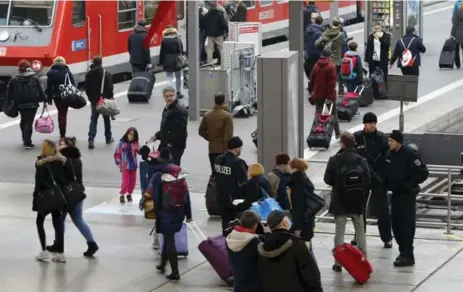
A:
{"points": [[126, 262]]}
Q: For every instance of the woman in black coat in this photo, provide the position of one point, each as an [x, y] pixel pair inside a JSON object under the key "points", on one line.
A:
{"points": [[301, 188], [59, 74], [255, 188], [169, 56], [50, 168], [377, 50]]}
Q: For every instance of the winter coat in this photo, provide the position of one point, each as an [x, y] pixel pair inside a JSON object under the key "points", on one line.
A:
{"points": [[323, 80], [74, 162], [313, 33], [171, 49], [93, 80], [253, 190], [167, 221], [243, 258], [25, 89], [301, 188], [139, 55], [374, 147], [457, 26], [241, 13], [56, 76], [456, 7], [45, 168], [278, 180], [332, 178], [358, 80], [307, 14], [286, 264], [336, 36], [125, 155], [214, 23], [173, 129], [416, 48], [217, 128], [385, 45]]}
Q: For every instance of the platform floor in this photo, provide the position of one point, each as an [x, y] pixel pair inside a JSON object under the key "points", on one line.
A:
{"points": [[126, 261]]}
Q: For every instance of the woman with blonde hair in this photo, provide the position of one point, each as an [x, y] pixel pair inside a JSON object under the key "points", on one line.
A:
{"points": [[50, 170], [255, 188], [59, 74], [301, 188]]}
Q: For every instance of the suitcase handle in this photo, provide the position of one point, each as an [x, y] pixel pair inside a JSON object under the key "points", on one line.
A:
{"points": [[196, 231], [324, 109]]}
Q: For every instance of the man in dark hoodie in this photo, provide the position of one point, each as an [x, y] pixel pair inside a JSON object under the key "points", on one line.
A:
{"points": [[242, 253], [312, 52], [25, 90], [139, 55], [216, 28], [95, 79], [285, 261]]}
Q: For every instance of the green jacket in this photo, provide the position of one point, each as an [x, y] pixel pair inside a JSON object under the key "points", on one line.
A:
{"points": [[336, 36]]}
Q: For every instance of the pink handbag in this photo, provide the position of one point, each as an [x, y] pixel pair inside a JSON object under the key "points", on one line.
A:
{"points": [[44, 124]]}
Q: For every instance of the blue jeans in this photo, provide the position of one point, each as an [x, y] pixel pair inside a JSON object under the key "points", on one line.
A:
{"points": [[178, 80], [76, 216], [94, 123]]}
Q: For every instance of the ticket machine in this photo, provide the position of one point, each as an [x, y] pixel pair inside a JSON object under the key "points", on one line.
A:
{"points": [[394, 16]]}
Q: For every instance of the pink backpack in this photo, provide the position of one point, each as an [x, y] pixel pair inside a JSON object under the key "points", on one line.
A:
{"points": [[44, 124]]}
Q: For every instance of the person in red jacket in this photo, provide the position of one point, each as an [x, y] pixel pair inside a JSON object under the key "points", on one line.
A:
{"points": [[322, 86]]}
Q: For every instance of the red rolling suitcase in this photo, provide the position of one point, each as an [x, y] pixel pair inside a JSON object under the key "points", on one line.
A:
{"points": [[214, 249], [354, 262]]}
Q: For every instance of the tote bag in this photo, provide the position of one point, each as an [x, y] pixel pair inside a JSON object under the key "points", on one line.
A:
{"points": [[44, 123], [265, 206]]}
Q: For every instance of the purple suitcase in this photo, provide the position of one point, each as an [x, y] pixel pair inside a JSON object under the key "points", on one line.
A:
{"points": [[181, 241], [214, 249]]}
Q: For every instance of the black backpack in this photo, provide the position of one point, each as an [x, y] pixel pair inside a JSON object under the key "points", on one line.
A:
{"points": [[351, 185]]}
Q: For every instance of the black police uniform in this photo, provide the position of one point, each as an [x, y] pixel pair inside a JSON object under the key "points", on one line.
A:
{"points": [[230, 172], [404, 172], [374, 147]]}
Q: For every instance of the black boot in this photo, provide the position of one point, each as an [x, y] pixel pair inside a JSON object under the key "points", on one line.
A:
{"points": [[174, 276], [52, 248], [161, 268], [92, 249], [62, 133]]}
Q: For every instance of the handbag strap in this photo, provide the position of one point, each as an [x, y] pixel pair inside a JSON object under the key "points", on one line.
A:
{"points": [[44, 108], [73, 171], [51, 175], [67, 79], [180, 46], [102, 82]]}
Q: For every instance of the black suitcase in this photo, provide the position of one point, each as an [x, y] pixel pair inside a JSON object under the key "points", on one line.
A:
{"points": [[447, 55], [322, 129], [212, 204], [366, 98], [379, 84], [349, 105], [141, 86]]}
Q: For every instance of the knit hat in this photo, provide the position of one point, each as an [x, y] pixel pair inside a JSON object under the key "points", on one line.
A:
{"points": [[235, 142], [275, 217], [397, 136], [282, 159], [370, 118], [164, 155]]}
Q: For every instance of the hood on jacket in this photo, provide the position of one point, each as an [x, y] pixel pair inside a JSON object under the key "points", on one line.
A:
{"points": [[42, 160], [237, 241], [140, 29], [333, 32], [170, 31], [96, 68], [324, 61], [23, 76], [59, 67], [313, 28], [352, 53], [276, 244], [70, 152], [173, 173], [283, 168]]}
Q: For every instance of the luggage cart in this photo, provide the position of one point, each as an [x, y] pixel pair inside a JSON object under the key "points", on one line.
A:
{"points": [[243, 97]]}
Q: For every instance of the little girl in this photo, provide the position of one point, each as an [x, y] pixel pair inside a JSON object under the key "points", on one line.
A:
{"points": [[126, 159]]}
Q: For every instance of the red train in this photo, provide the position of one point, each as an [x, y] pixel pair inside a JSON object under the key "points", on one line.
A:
{"points": [[78, 30]]}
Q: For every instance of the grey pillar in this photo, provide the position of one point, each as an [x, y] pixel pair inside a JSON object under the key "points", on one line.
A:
{"points": [[334, 10], [193, 59], [296, 43]]}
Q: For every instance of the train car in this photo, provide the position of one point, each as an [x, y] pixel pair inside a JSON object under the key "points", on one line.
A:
{"points": [[78, 30]]}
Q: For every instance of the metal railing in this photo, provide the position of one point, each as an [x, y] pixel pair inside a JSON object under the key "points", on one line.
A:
{"points": [[450, 170]]}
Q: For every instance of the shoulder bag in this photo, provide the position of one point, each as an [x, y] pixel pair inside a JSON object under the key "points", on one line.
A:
{"points": [[106, 107], [72, 191], [51, 199], [71, 94]]}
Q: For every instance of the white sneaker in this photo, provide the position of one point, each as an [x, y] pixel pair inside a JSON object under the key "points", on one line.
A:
{"points": [[156, 242], [59, 258], [43, 256]]}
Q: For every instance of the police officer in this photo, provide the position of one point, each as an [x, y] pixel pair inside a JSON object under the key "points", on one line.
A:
{"points": [[373, 145], [231, 172], [404, 172]]}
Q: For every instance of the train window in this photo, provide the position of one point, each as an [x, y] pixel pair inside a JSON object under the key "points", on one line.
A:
{"points": [[180, 6], [126, 14], [250, 4], [78, 13], [31, 13], [150, 8], [265, 3], [4, 11], [282, 1]]}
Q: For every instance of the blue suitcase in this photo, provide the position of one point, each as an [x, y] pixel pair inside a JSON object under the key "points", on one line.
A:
{"points": [[146, 173], [181, 241]]}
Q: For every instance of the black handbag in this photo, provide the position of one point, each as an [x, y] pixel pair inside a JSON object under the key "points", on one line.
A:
{"points": [[73, 191], [51, 199], [73, 96], [315, 203], [9, 108]]}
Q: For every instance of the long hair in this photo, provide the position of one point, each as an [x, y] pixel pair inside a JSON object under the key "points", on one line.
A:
{"points": [[48, 148], [125, 138]]}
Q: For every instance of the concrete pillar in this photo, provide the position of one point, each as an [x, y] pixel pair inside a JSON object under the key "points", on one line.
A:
{"points": [[193, 58]]}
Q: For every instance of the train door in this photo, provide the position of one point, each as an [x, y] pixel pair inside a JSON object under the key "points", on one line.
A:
{"points": [[94, 28], [180, 7]]}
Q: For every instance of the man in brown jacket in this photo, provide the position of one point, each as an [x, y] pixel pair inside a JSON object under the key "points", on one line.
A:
{"points": [[217, 128]]}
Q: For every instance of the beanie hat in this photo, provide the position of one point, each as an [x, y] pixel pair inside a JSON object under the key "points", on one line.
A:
{"points": [[234, 143], [370, 118], [397, 136], [164, 155], [282, 159]]}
